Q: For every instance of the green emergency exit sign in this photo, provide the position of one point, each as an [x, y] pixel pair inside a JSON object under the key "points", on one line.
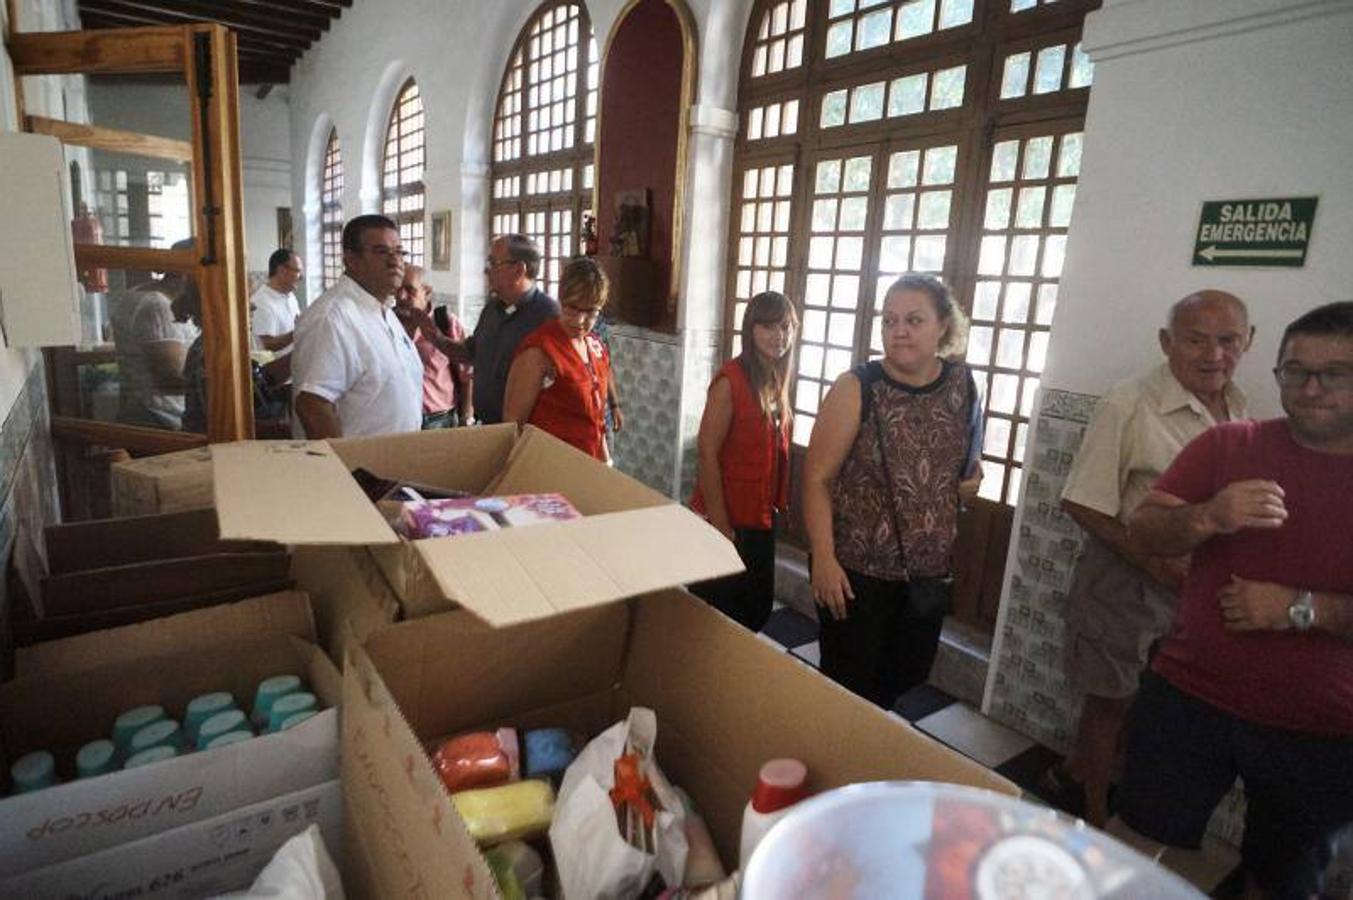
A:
{"points": [[1254, 232]]}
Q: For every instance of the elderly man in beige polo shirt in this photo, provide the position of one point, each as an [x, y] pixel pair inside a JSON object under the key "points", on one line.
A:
{"points": [[1122, 600]]}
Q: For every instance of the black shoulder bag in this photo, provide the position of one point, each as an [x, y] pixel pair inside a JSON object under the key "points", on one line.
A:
{"points": [[931, 596]]}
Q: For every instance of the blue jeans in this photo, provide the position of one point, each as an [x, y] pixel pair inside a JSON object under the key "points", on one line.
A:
{"points": [[445, 419]]}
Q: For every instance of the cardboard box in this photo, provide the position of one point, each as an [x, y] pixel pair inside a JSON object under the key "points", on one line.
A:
{"points": [[225, 853], [160, 484], [725, 701], [86, 682], [630, 540], [104, 543]]}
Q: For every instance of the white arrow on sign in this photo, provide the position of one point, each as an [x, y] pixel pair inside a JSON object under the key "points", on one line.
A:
{"points": [[1210, 253]]}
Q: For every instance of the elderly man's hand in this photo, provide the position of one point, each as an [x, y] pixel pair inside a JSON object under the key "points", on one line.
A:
{"points": [[1255, 605]]}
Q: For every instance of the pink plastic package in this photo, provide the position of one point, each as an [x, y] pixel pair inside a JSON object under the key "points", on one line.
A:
{"points": [[441, 518]]}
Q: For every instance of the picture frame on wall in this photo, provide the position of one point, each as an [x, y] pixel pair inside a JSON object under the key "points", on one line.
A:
{"points": [[441, 240], [285, 234]]}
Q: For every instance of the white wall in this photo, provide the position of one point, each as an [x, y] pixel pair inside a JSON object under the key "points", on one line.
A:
{"points": [[1206, 100]]}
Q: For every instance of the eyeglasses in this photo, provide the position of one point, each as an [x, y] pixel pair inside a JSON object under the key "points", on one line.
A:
{"points": [[1292, 375], [585, 313], [492, 263]]}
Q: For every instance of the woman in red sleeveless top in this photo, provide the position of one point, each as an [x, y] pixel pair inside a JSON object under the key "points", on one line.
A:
{"points": [[561, 371], [743, 475]]}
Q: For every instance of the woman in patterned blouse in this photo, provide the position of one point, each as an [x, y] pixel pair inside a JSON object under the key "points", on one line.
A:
{"points": [[896, 444]]}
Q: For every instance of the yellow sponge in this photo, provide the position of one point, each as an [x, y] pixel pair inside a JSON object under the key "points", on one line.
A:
{"points": [[518, 810]]}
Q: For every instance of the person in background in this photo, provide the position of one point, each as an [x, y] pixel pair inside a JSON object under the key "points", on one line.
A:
{"points": [[151, 347], [273, 305], [742, 481], [558, 381], [1255, 678], [516, 307], [355, 369], [1122, 599], [895, 446], [447, 385]]}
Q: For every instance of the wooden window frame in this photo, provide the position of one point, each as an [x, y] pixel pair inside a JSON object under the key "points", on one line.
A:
{"points": [[394, 197], [331, 211], [518, 205], [981, 45]]}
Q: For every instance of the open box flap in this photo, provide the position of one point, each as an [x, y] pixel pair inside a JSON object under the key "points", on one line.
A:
{"points": [[293, 492], [520, 574]]}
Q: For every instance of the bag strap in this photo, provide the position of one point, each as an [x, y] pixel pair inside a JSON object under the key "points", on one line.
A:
{"points": [[867, 380]]}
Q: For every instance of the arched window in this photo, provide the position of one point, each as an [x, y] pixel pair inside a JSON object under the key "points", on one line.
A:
{"points": [[402, 170], [543, 134], [331, 210], [936, 136]]}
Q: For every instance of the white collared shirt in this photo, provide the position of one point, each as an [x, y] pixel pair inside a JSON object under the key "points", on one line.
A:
{"points": [[273, 313], [1135, 433], [353, 352]]}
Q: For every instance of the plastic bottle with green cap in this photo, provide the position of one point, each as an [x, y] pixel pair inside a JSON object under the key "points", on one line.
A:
{"points": [[164, 733], [96, 758], [202, 708], [132, 721], [230, 737], [222, 723], [286, 707], [269, 689], [153, 755], [33, 772]]}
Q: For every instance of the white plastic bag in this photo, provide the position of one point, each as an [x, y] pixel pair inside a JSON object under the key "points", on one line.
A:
{"points": [[300, 870], [593, 857]]}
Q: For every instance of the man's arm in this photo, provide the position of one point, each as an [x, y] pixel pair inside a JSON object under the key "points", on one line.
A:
{"points": [[1167, 571], [1262, 606], [1165, 525], [275, 342], [318, 416]]}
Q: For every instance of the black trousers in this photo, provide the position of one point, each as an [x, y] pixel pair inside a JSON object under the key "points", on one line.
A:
{"points": [[746, 598], [884, 647]]}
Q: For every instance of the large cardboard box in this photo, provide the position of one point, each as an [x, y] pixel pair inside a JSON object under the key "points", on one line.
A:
{"points": [[630, 540], [202, 859], [74, 689], [725, 702], [167, 483]]}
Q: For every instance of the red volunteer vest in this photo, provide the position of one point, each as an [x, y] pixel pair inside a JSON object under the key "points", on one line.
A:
{"points": [[754, 458], [573, 406]]}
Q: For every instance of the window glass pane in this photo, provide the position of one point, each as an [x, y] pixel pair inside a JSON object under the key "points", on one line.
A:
{"points": [[829, 176], [824, 215], [1069, 157], [985, 297], [853, 212], [1063, 196], [947, 88], [866, 103], [857, 173], [915, 19], [838, 38], [875, 29], [1030, 213], [934, 210], [1037, 153], [1016, 302], [1015, 79], [902, 169], [998, 209], [939, 165], [1082, 70], [955, 12], [1048, 73], [834, 109], [897, 211], [1003, 157], [907, 95]]}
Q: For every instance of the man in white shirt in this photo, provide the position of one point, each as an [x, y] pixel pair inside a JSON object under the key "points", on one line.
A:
{"points": [[273, 306], [1122, 599], [355, 370]]}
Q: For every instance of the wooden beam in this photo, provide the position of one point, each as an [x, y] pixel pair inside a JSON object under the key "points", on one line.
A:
{"points": [[264, 74], [137, 259], [191, 13], [132, 438], [128, 50], [112, 139]]}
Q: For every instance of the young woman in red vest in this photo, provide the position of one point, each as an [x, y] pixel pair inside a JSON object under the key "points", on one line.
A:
{"points": [[743, 475], [561, 372]]}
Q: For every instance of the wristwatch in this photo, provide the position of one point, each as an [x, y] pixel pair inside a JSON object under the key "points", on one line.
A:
{"points": [[1302, 611]]}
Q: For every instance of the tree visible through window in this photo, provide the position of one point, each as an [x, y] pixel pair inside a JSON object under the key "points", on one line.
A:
{"points": [[402, 170], [936, 136], [543, 134], [331, 211]]}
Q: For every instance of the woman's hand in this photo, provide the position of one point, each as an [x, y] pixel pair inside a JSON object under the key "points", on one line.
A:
{"points": [[831, 587]]}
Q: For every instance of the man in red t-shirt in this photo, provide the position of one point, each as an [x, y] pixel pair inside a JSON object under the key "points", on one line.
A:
{"points": [[1255, 678]]}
